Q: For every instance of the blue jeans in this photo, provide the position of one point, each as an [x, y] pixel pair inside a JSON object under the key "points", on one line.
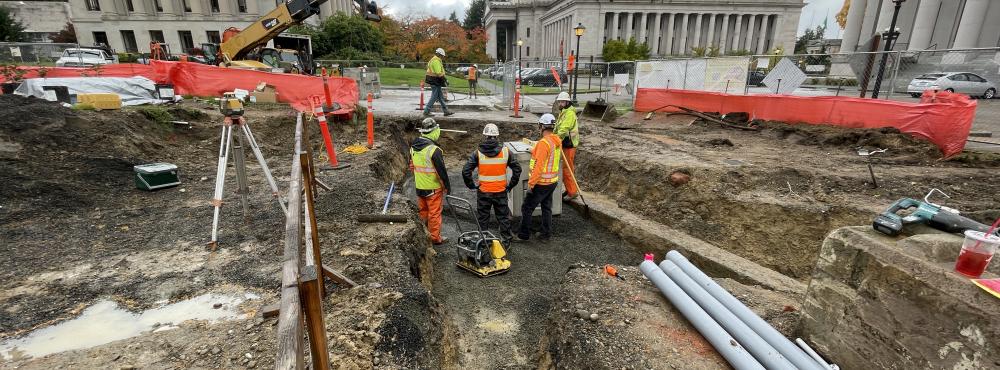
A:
{"points": [[436, 96]]}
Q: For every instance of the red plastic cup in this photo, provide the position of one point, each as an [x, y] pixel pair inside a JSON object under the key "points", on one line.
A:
{"points": [[977, 251]]}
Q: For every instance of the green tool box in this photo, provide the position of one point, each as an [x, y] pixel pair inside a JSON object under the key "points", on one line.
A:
{"points": [[156, 176]]}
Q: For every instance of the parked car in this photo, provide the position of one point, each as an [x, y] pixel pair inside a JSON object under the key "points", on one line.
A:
{"points": [[960, 82], [84, 57], [755, 78], [543, 77]]}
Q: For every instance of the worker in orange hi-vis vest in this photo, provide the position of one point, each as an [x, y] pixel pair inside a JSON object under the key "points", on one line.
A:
{"points": [[492, 160], [542, 182], [473, 81]]}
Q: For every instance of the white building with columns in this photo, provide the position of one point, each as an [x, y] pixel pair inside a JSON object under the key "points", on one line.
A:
{"points": [[669, 27], [925, 24], [129, 25]]}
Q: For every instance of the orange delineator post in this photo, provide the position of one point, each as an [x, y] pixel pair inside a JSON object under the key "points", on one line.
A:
{"points": [[327, 140], [326, 88], [421, 106], [517, 99], [371, 123]]}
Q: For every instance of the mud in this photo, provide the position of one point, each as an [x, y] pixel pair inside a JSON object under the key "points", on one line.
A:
{"points": [[771, 196], [76, 232]]}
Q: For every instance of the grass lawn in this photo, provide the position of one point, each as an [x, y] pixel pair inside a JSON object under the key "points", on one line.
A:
{"points": [[413, 76]]}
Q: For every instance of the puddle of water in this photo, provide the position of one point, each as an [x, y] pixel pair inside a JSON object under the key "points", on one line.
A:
{"points": [[105, 322]]}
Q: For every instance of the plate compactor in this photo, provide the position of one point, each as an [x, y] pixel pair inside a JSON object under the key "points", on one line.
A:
{"points": [[478, 251]]}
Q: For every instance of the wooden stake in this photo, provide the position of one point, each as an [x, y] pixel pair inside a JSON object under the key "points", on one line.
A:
{"points": [[312, 307]]}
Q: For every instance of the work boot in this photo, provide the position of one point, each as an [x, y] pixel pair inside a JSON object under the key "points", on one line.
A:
{"points": [[518, 238], [427, 114], [448, 113], [570, 197], [442, 241]]}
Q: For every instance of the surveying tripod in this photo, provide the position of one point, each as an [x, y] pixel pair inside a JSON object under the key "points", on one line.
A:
{"points": [[232, 109]]}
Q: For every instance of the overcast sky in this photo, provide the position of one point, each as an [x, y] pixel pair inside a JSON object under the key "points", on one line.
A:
{"points": [[813, 13]]}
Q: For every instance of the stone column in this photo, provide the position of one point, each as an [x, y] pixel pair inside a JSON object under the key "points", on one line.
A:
{"points": [[139, 7], [724, 38], [711, 30], [971, 24], [670, 34], [750, 31], [869, 23], [923, 26], [762, 37], [737, 32], [168, 8], [614, 26], [682, 47], [224, 8], [195, 7], [642, 28], [696, 41], [628, 31], [852, 31], [655, 45]]}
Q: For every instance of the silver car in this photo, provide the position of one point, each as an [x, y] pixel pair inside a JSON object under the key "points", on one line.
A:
{"points": [[960, 82]]}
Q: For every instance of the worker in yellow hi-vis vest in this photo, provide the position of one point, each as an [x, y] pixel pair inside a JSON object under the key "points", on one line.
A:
{"points": [[430, 177]]}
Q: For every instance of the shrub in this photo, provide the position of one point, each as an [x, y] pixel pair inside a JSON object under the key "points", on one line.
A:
{"points": [[155, 113]]}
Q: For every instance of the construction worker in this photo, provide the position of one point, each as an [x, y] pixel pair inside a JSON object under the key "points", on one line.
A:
{"points": [[430, 177], [568, 130], [542, 182], [436, 78], [492, 160], [473, 80]]}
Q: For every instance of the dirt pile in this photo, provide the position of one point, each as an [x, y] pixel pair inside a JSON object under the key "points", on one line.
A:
{"points": [[598, 321]]}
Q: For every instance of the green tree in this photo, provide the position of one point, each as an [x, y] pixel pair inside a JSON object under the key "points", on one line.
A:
{"points": [[11, 30], [809, 36], [454, 17], [346, 37], [616, 50], [474, 15]]}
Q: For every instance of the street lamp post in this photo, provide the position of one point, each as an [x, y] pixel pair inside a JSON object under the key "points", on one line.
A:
{"points": [[889, 36], [578, 30], [519, 44]]}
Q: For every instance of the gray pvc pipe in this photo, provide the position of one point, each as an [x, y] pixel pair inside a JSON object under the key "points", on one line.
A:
{"points": [[763, 352], [788, 349], [731, 350]]}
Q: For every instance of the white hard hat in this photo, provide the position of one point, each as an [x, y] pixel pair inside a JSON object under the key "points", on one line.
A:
{"points": [[475, 65], [563, 96], [439, 51], [547, 119], [491, 130]]}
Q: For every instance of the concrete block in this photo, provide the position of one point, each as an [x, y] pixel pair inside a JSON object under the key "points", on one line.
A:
{"points": [[896, 303]]}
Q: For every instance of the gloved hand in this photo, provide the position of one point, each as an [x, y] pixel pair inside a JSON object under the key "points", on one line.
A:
{"points": [[527, 194], [472, 186]]}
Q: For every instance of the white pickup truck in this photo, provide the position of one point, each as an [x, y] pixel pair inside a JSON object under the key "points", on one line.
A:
{"points": [[84, 57]]}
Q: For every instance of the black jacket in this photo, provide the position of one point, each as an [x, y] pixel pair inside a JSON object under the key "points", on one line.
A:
{"points": [[437, 159], [490, 149]]}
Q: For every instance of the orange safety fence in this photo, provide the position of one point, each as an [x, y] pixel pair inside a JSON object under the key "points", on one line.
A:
{"points": [[943, 118], [205, 80]]}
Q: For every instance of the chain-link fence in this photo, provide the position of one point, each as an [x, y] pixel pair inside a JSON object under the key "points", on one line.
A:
{"points": [[40, 54], [969, 71]]}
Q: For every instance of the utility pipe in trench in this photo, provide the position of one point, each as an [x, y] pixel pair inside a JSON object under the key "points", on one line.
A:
{"points": [[760, 349], [728, 347], [785, 346]]}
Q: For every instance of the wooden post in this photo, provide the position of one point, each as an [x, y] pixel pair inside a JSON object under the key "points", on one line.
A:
{"points": [[307, 185], [290, 317], [312, 306]]}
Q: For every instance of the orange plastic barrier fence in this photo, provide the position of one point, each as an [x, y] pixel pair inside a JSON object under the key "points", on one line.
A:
{"points": [[205, 80], [943, 118]]}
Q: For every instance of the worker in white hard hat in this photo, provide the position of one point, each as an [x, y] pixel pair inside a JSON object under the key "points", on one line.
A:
{"points": [[435, 77], [568, 130], [542, 182], [473, 81], [430, 177], [491, 161]]}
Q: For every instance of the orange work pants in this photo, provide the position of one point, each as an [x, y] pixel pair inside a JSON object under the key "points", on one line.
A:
{"points": [[430, 212], [568, 180]]}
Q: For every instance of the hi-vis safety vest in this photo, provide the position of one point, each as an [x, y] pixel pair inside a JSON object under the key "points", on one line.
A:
{"points": [[550, 166], [493, 172], [424, 174]]}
